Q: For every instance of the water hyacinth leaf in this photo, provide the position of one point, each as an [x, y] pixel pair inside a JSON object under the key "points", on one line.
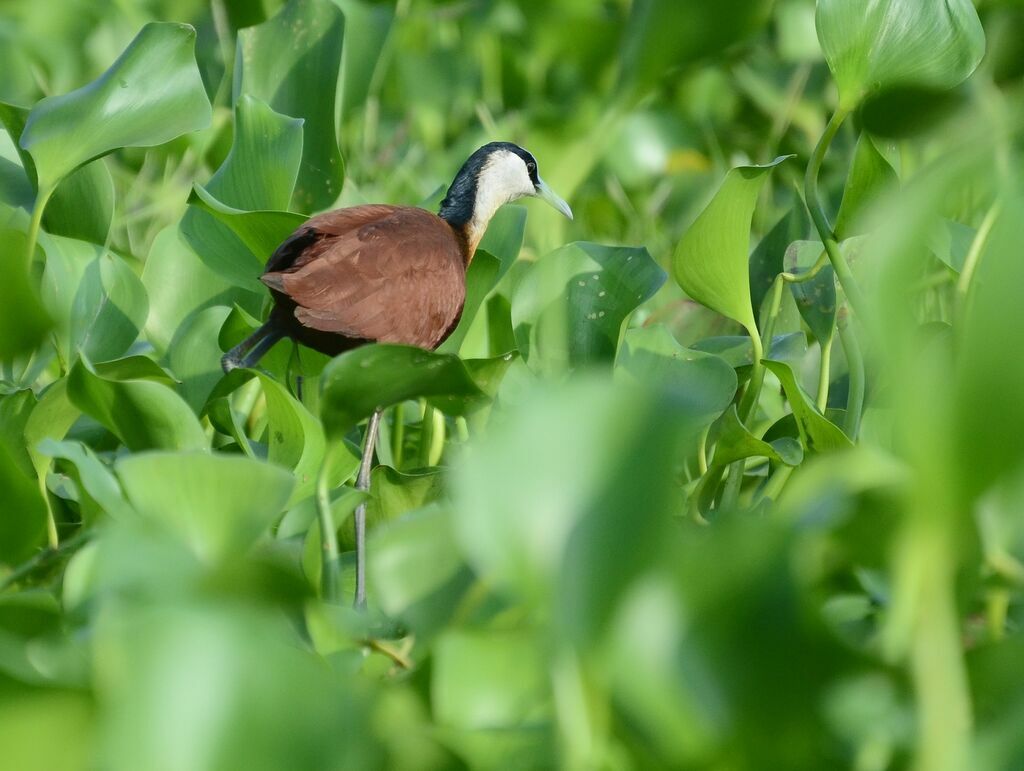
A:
{"points": [[98, 303], [486, 373], [415, 568], [194, 355], [22, 512], [96, 478], [951, 241], [366, 30], [144, 413], [504, 237], [15, 410], [569, 308], [491, 697], [150, 95], [604, 446], [258, 174], [260, 231], [871, 176], [872, 45], [23, 318], [766, 261], [82, 206], [663, 34], [481, 276], [816, 297], [817, 433], [738, 351], [295, 437], [651, 356], [51, 418], [180, 284], [218, 504], [393, 493], [735, 443], [711, 263], [292, 62], [359, 381]]}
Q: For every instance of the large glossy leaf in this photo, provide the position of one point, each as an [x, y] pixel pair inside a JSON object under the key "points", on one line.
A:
{"points": [[260, 231], [651, 356], [218, 504], [816, 297], [766, 261], [711, 261], [570, 307], [179, 284], [817, 433], [258, 174], [22, 512], [735, 443], [97, 301], [194, 355], [142, 412], [97, 480], [295, 437], [151, 94], [662, 34], [51, 418], [292, 62], [83, 205], [481, 277], [504, 236], [871, 177], [23, 319], [872, 45], [356, 383], [366, 30]]}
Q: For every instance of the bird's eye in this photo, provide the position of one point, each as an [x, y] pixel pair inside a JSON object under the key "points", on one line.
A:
{"points": [[531, 167]]}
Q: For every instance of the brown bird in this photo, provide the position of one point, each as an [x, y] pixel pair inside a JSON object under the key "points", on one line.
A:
{"points": [[389, 274]]}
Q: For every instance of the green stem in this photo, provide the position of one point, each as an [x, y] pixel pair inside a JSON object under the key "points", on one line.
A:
{"points": [[828, 238], [44, 559], [397, 434], [35, 224], [426, 435], [773, 489], [824, 374], [330, 579], [963, 285], [855, 366]]}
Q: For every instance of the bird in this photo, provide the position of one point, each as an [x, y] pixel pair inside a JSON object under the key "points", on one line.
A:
{"points": [[387, 274]]}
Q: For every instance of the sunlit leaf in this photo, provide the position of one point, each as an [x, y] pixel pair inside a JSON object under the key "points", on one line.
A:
{"points": [[23, 319], [96, 478], [150, 95], [143, 413], [735, 442], [870, 177], [258, 174], [875, 44], [569, 308], [817, 433], [711, 261], [22, 512], [292, 62]]}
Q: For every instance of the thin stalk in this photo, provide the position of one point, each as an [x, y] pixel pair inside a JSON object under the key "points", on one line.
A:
{"points": [[44, 559], [855, 365], [397, 434], [824, 374], [702, 451], [828, 238], [963, 285], [330, 577], [426, 435], [34, 225], [773, 487]]}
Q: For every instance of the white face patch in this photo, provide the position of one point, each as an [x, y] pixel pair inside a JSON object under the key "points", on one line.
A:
{"points": [[503, 179]]}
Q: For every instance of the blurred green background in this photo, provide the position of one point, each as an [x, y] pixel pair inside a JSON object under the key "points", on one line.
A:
{"points": [[596, 544]]}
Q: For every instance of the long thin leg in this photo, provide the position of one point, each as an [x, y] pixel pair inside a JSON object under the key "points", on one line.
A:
{"points": [[363, 483]]}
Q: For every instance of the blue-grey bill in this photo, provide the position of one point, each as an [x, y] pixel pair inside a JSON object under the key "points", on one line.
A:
{"points": [[546, 193]]}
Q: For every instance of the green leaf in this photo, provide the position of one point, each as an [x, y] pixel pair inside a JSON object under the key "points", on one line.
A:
{"points": [[194, 355], [817, 433], [871, 45], [143, 413], [951, 241], [652, 357], [394, 494], [218, 504], [22, 512], [662, 34], [711, 261], [23, 319], [150, 95], [97, 301], [366, 29], [504, 237], [481, 277], [295, 437], [870, 178], [416, 572], [738, 351], [15, 410], [179, 284], [359, 381], [52, 418], [260, 231], [735, 443], [83, 205], [816, 297], [292, 62], [570, 307], [96, 478], [258, 174], [766, 261]]}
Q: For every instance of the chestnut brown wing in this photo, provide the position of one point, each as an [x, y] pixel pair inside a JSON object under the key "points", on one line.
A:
{"points": [[390, 274]]}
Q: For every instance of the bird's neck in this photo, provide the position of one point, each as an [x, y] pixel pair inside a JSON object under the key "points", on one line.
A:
{"points": [[469, 208]]}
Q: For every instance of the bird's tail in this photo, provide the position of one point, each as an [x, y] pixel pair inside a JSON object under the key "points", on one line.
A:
{"points": [[248, 352]]}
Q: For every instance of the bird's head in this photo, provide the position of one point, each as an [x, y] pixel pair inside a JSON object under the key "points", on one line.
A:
{"points": [[496, 174]]}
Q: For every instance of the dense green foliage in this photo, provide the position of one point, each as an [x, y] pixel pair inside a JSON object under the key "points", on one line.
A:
{"points": [[728, 473]]}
